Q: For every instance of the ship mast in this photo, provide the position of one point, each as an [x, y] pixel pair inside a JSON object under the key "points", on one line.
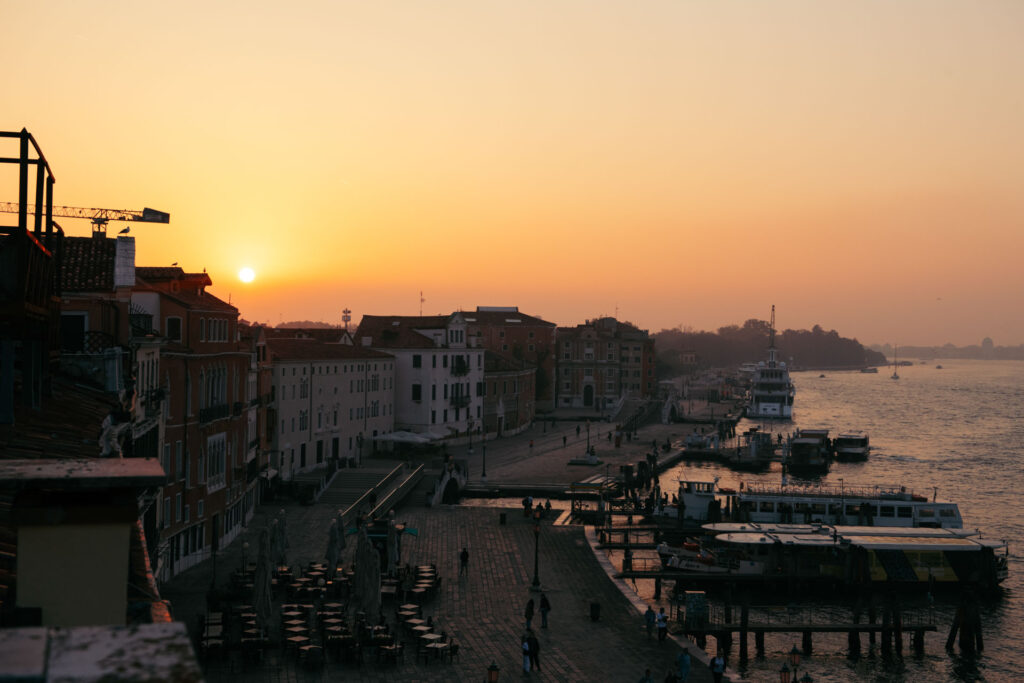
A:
{"points": [[771, 340]]}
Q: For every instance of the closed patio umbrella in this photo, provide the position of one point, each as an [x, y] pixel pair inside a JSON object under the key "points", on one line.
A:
{"points": [[333, 551], [261, 585], [367, 575]]}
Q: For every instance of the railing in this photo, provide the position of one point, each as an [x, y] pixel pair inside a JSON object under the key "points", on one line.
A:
{"points": [[212, 413], [460, 367], [460, 401], [237, 408]]}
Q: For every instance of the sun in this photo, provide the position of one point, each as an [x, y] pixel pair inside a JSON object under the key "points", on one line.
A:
{"points": [[247, 274]]}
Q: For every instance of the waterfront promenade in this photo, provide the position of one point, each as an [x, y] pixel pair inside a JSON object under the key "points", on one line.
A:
{"points": [[482, 611]]}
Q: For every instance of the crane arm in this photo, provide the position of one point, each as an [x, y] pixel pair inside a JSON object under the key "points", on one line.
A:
{"points": [[96, 215]]}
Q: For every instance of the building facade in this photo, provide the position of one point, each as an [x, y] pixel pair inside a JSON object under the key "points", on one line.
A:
{"points": [[326, 402], [438, 375], [601, 361], [509, 395], [521, 338]]}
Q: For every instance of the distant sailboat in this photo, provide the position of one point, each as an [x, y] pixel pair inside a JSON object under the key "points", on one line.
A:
{"points": [[895, 362]]}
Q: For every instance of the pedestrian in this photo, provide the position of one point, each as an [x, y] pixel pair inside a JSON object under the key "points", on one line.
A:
{"points": [[533, 648], [646, 678], [577, 431], [531, 443], [649, 619], [662, 622], [529, 613], [718, 667], [563, 440], [545, 607], [525, 647], [683, 665], [463, 562]]}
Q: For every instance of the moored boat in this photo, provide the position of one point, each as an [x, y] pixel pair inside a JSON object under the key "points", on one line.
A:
{"points": [[771, 390], [851, 447]]}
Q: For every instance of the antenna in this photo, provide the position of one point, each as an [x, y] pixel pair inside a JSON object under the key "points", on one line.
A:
{"points": [[421, 303], [346, 317]]}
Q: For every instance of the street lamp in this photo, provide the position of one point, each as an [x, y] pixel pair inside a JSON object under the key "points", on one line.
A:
{"points": [[788, 672], [588, 437], [470, 424], [492, 673], [483, 470], [536, 547]]}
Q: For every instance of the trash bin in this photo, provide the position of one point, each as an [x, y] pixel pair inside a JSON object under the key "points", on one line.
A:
{"points": [[595, 611], [502, 518]]}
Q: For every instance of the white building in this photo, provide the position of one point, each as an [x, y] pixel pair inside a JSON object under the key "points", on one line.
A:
{"points": [[438, 376], [327, 400]]}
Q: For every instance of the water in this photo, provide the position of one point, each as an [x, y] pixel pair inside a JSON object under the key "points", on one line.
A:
{"points": [[958, 429]]}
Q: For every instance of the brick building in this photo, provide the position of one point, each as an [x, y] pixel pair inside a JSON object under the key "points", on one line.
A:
{"points": [[509, 391], [601, 361], [521, 338]]}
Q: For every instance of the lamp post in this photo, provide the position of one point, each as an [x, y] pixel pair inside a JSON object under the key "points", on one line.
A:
{"points": [[483, 470], [470, 425], [492, 673], [588, 437], [536, 547], [788, 673]]}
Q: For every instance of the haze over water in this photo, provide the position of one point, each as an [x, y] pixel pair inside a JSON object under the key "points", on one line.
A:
{"points": [[958, 429]]}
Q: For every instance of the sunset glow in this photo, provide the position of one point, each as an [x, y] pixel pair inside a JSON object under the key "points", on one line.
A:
{"points": [[856, 164]]}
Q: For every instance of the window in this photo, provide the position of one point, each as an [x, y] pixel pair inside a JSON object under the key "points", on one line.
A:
{"points": [[417, 391], [904, 511], [417, 360], [767, 506], [172, 328], [167, 512], [202, 329], [887, 511], [480, 388], [433, 417], [186, 515], [179, 461], [199, 509], [433, 392], [178, 508], [444, 361], [216, 456]]}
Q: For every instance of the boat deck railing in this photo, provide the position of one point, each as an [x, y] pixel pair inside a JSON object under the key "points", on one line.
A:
{"points": [[829, 491]]}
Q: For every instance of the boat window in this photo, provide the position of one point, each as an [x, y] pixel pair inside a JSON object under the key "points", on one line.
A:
{"points": [[887, 511], [925, 512], [835, 509], [905, 511], [767, 506], [946, 512], [853, 509], [802, 507], [871, 510], [818, 508]]}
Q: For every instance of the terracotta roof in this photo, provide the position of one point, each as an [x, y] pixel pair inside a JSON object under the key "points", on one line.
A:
{"points": [[313, 350], [88, 264], [324, 334], [398, 331], [502, 318], [157, 273]]}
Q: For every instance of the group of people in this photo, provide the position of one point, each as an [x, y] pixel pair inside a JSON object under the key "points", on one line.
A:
{"points": [[659, 621], [530, 644]]}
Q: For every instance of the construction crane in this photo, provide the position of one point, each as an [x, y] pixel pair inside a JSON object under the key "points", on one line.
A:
{"points": [[99, 217]]}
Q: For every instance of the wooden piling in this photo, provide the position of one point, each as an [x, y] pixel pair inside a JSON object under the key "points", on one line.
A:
{"points": [[744, 620], [886, 631], [954, 627], [657, 589], [918, 643], [872, 619], [807, 644], [759, 644]]}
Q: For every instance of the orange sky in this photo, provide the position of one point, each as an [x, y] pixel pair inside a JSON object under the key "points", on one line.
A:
{"points": [[859, 165]]}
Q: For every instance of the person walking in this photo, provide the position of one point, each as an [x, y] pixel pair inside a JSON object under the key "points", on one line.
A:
{"points": [[649, 620], [545, 607], [718, 667], [646, 678], [529, 613], [683, 665], [662, 622], [525, 648], [463, 562], [577, 431], [533, 650]]}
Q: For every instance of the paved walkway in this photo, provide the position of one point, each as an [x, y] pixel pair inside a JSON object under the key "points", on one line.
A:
{"points": [[483, 611]]}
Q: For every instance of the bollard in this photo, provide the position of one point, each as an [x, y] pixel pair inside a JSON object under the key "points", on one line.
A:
{"points": [[759, 644], [807, 644], [744, 620], [502, 518]]}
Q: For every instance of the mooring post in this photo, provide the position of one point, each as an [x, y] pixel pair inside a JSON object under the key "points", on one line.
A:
{"points": [[872, 619], [897, 620], [759, 644], [886, 631], [807, 644], [657, 588], [954, 627], [744, 620], [919, 642]]}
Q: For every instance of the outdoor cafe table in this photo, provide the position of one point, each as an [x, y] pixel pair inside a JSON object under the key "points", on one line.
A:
{"points": [[410, 606], [292, 614], [415, 622], [438, 648], [408, 614], [333, 622], [430, 636], [421, 630], [334, 606], [295, 622], [297, 630]]}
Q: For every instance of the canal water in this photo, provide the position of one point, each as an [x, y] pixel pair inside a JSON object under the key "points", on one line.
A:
{"points": [[957, 429]]}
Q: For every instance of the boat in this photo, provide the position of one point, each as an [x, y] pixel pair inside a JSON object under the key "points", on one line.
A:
{"points": [[756, 451], [692, 557], [869, 371], [851, 447], [809, 452], [771, 390], [895, 363], [859, 555], [786, 503]]}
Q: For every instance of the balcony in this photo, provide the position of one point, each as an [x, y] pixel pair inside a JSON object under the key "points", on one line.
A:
{"points": [[237, 408], [460, 401], [218, 412], [460, 367]]}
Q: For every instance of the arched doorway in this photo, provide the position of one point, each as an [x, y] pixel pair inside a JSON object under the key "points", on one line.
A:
{"points": [[588, 395]]}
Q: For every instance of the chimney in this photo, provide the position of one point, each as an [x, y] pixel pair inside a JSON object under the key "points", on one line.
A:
{"points": [[124, 262]]}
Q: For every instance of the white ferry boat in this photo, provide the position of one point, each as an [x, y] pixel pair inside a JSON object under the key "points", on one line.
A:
{"points": [[857, 505], [771, 390]]}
